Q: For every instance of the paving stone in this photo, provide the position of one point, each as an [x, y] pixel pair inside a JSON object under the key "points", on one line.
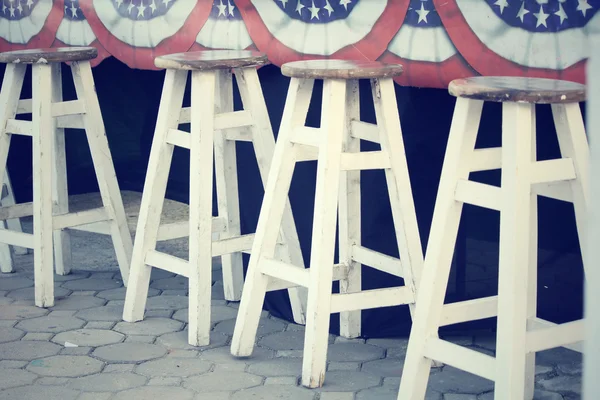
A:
{"points": [[100, 325], [563, 383], [165, 381], [140, 339], [157, 274], [213, 396], [32, 392], [217, 314], [537, 395], [557, 356], [66, 366], [386, 367], [105, 275], [94, 396], [15, 377], [543, 369], [88, 337], [158, 313], [575, 368], [78, 303], [217, 291], [486, 342], [343, 366], [337, 396], [280, 392], [155, 393], [457, 396], [62, 313], [4, 301], [106, 313], [281, 380], [348, 381], [118, 368], [265, 326], [174, 293], [216, 381], [76, 351], [107, 382], [129, 352], [13, 283], [173, 367], [74, 275], [460, 340], [92, 284], [353, 352], [392, 380], [453, 380], [38, 336], [27, 351], [175, 282], [166, 303], [235, 367], [115, 303], [176, 353], [179, 340], [223, 354], [13, 364], [288, 340], [119, 293], [83, 293], [50, 324], [8, 334], [341, 339], [7, 323], [290, 353], [149, 326], [28, 293], [390, 392], [18, 312], [52, 381]]}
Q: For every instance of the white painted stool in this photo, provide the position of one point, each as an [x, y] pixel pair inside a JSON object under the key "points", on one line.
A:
{"points": [[336, 147], [7, 198], [519, 332], [213, 123], [50, 206]]}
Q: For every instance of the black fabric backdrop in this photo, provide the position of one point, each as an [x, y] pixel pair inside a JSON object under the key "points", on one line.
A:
{"points": [[130, 99]]}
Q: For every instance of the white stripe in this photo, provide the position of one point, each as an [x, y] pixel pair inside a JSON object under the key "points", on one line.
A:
{"points": [[422, 44], [144, 33], [75, 33], [224, 34], [21, 31], [320, 39], [556, 51]]}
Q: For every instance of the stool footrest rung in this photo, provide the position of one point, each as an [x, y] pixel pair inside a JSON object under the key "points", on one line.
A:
{"points": [[374, 298], [236, 244], [73, 219], [469, 310], [16, 238], [364, 131], [365, 160], [554, 190], [544, 335], [179, 138], [297, 275], [181, 229], [16, 211], [478, 194], [461, 357], [226, 120], [307, 136], [19, 127], [377, 260], [167, 262]]}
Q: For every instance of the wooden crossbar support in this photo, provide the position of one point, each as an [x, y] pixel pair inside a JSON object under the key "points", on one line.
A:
{"points": [[377, 260], [466, 359]]}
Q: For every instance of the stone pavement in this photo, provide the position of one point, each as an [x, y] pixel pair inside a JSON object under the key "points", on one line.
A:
{"points": [[80, 349]]}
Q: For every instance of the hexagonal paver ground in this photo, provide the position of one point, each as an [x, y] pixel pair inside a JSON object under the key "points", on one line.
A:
{"points": [[388, 367], [179, 340], [149, 326], [129, 352], [106, 313], [8, 334], [15, 377], [175, 283], [107, 382], [288, 340], [119, 293], [13, 312], [453, 380], [27, 350], [13, 283], [390, 392], [174, 367], [216, 381], [92, 284], [66, 366], [223, 355], [277, 367], [89, 337], [348, 381], [353, 352], [50, 323], [32, 392], [265, 326], [28, 293], [166, 303], [280, 392], [218, 313], [78, 303], [155, 393]]}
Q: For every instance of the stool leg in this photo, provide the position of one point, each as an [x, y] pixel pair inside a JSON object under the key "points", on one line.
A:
{"points": [[9, 99], [264, 143], [271, 214], [349, 215], [13, 224], [6, 258], [60, 192], [227, 191], [513, 278], [201, 184], [153, 195], [438, 258], [323, 234], [103, 166], [43, 132]]}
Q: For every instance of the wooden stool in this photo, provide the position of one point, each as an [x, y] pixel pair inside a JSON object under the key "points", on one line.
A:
{"points": [[213, 123], [520, 333], [50, 206], [7, 198], [336, 147]]}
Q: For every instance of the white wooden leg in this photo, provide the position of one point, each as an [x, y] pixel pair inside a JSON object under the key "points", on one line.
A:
{"points": [[103, 165], [15, 223], [201, 184], [227, 191], [60, 192], [9, 98], [271, 214], [264, 144], [514, 250], [323, 234], [6, 258], [350, 215], [153, 195], [43, 132], [440, 248]]}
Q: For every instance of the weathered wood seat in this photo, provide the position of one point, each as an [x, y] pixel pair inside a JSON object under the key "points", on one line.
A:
{"points": [[340, 69], [51, 55], [212, 60], [517, 89], [214, 129]]}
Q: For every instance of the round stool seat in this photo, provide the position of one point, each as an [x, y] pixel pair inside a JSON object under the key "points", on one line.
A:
{"points": [[212, 59], [52, 55], [517, 89], [340, 69]]}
